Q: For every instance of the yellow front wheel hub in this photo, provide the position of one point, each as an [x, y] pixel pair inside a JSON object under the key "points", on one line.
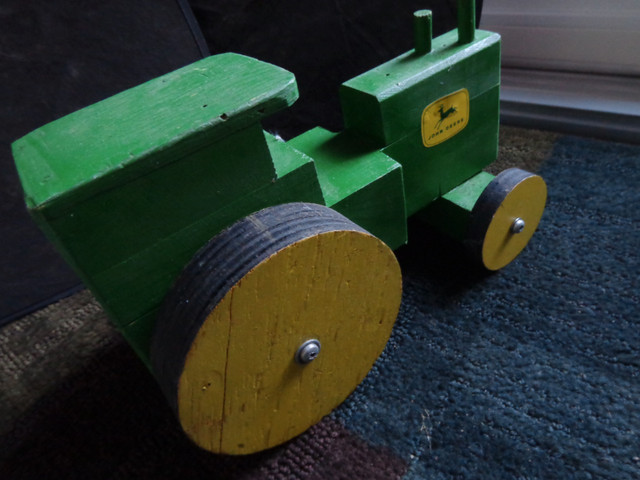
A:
{"points": [[505, 216]]}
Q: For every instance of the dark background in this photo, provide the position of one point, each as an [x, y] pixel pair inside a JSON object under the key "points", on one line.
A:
{"points": [[528, 373], [323, 44], [57, 57]]}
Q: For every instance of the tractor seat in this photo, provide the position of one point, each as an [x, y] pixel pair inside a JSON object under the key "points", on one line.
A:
{"points": [[145, 127]]}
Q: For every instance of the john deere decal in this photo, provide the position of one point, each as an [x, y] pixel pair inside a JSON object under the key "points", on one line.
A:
{"points": [[445, 117]]}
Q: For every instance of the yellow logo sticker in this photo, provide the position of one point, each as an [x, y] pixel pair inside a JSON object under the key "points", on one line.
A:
{"points": [[445, 117]]}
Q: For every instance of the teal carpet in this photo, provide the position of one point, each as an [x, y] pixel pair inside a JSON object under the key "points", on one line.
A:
{"points": [[531, 372]]}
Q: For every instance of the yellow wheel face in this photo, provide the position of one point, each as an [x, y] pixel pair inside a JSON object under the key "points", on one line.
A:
{"points": [[241, 389], [503, 242]]}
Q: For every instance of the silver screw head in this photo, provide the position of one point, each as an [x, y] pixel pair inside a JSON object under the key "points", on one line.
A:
{"points": [[518, 225], [308, 351]]}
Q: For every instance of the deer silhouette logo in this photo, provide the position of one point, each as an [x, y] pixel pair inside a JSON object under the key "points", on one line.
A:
{"points": [[444, 114], [445, 118]]}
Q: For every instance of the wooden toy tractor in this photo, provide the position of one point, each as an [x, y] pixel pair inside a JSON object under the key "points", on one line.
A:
{"points": [[255, 277]]}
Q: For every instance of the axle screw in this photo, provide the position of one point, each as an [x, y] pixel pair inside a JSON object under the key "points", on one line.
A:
{"points": [[517, 226], [308, 352]]}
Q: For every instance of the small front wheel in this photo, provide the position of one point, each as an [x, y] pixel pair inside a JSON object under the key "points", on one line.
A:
{"points": [[505, 216]]}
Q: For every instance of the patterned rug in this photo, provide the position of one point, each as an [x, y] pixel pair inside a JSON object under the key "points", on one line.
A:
{"points": [[531, 372]]}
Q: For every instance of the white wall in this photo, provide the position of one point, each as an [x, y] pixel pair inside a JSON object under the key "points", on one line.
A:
{"points": [[569, 35], [570, 65]]}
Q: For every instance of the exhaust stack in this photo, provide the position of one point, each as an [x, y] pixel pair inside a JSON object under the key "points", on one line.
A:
{"points": [[422, 31], [466, 21], [423, 26]]}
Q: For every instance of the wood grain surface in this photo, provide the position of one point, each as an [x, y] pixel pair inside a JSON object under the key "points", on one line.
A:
{"points": [[239, 389]]}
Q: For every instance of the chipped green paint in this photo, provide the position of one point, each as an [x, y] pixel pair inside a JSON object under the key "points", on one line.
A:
{"points": [[130, 188], [146, 127], [450, 213], [358, 181]]}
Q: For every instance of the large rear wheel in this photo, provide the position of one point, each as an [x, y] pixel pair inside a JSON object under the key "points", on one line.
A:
{"points": [[272, 325]]}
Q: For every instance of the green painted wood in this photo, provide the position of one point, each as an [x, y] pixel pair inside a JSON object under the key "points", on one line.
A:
{"points": [[120, 138], [113, 225], [359, 181], [466, 21], [431, 172], [150, 274], [130, 188], [133, 287], [466, 194], [450, 213], [422, 31], [287, 160], [387, 101]]}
